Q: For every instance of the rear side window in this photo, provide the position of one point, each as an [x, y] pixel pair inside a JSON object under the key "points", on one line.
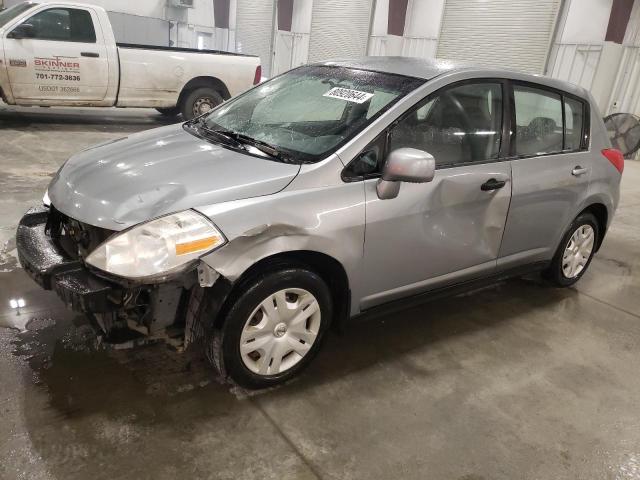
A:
{"points": [[574, 118], [538, 121], [64, 25]]}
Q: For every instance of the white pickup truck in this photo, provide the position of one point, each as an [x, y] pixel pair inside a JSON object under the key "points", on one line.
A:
{"points": [[64, 54]]}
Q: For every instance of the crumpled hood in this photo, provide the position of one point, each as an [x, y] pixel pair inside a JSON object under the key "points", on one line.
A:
{"points": [[164, 170]]}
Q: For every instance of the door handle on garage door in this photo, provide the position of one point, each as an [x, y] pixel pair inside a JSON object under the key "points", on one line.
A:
{"points": [[492, 184], [578, 170], [89, 54]]}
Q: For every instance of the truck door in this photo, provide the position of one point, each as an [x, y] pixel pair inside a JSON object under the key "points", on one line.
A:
{"points": [[57, 56]]}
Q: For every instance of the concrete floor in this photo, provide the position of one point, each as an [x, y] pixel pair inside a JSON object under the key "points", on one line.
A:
{"points": [[519, 380]]}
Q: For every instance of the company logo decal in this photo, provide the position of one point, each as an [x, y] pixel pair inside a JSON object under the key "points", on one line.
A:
{"points": [[56, 64], [17, 63]]}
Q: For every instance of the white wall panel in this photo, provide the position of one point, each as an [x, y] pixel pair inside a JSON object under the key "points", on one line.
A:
{"points": [[419, 47], [498, 33], [586, 21], [424, 18], [575, 63]]}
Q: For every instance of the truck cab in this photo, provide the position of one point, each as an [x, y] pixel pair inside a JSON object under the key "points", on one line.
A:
{"points": [[56, 54], [65, 54]]}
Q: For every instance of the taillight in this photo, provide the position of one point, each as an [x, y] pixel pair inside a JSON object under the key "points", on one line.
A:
{"points": [[615, 157], [258, 75]]}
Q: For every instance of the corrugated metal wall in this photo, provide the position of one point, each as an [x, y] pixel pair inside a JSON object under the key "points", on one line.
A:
{"points": [[503, 33], [254, 30], [339, 29]]}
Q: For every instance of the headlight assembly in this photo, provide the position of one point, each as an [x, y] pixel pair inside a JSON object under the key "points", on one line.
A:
{"points": [[157, 247]]}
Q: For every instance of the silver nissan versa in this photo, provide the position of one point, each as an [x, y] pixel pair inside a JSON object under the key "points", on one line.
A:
{"points": [[318, 195]]}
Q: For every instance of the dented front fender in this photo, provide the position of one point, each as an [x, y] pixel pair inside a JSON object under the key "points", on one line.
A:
{"points": [[328, 220]]}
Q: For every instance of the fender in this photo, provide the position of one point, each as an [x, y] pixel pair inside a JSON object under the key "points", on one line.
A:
{"points": [[327, 223]]}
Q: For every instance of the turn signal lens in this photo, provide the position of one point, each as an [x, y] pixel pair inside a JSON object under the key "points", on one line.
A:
{"points": [[194, 246], [616, 158]]}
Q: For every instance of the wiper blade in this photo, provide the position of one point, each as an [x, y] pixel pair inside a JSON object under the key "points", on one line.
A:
{"points": [[264, 147], [239, 140], [223, 136]]}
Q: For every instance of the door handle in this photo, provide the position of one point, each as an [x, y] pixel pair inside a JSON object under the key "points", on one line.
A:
{"points": [[578, 170], [89, 54], [492, 184]]}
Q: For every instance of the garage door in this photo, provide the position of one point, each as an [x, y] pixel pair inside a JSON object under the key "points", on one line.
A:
{"points": [[254, 20], [339, 29], [502, 33]]}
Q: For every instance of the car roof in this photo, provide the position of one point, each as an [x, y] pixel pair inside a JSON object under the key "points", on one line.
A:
{"points": [[427, 69], [409, 66]]}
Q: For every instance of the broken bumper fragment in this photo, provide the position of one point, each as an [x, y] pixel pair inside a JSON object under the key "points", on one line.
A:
{"points": [[52, 269]]}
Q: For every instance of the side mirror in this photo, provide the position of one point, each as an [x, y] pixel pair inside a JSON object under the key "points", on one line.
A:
{"points": [[24, 30], [405, 165]]}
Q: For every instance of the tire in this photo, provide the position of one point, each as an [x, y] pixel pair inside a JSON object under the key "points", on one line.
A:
{"points": [[282, 345], [567, 268], [169, 111], [196, 102]]}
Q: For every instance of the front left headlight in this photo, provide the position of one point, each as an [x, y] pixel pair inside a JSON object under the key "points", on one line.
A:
{"points": [[157, 247]]}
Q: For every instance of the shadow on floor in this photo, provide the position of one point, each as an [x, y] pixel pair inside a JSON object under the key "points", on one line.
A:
{"points": [[81, 380], [86, 400], [82, 120]]}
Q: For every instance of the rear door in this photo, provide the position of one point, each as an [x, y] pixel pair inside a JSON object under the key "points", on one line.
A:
{"points": [[448, 230], [65, 61], [551, 168]]}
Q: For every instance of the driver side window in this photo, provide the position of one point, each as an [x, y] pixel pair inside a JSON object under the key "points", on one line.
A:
{"points": [[64, 25], [457, 125]]}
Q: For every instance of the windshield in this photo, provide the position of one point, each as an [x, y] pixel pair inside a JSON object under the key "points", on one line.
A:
{"points": [[311, 111], [12, 12]]}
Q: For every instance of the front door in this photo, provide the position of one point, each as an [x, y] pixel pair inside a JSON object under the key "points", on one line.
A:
{"points": [[551, 172], [65, 61], [448, 230]]}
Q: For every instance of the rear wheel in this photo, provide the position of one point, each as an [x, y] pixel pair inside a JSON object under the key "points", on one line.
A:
{"points": [[169, 111], [575, 251], [274, 329], [199, 101]]}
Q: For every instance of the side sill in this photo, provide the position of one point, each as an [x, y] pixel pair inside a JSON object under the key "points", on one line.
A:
{"points": [[450, 290]]}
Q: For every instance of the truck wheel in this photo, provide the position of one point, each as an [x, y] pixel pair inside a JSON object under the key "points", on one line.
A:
{"points": [[273, 329], [169, 111], [199, 101]]}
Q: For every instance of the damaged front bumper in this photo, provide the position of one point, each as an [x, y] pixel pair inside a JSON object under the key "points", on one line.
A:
{"points": [[153, 311], [53, 269]]}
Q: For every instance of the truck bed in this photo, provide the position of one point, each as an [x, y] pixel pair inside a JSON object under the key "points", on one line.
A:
{"points": [[153, 76]]}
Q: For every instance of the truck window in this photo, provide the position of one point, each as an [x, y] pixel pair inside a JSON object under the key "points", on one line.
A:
{"points": [[64, 25]]}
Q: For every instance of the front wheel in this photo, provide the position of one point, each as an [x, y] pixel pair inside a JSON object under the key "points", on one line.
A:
{"points": [[199, 101], [274, 328], [575, 251]]}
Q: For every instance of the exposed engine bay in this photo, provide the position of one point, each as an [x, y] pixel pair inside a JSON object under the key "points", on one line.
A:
{"points": [[124, 312]]}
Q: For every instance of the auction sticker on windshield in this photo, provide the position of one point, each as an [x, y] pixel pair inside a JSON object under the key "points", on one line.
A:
{"points": [[349, 95]]}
